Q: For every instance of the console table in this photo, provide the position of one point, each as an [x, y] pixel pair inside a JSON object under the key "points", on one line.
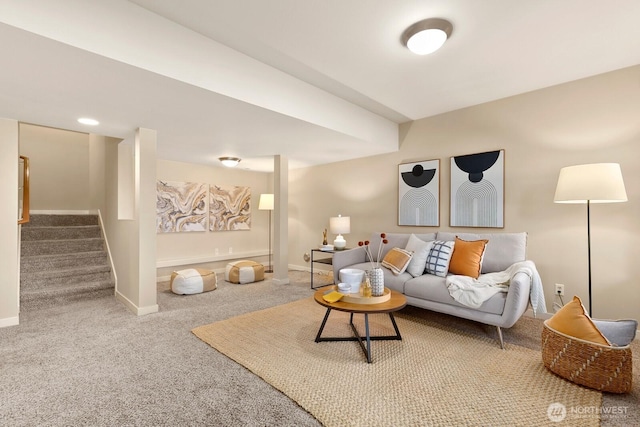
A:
{"points": [[327, 260]]}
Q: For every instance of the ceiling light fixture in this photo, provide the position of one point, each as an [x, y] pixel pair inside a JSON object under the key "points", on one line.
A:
{"points": [[89, 122], [427, 36], [229, 161]]}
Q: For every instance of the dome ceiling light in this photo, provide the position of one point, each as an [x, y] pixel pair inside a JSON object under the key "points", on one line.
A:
{"points": [[229, 162], [427, 36]]}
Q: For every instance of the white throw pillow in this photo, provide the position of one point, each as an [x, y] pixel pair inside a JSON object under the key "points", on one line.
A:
{"points": [[420, 250], [439, 258]]}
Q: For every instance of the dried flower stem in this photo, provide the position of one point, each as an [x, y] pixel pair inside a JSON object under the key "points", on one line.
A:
{"points": [[383, 241]]}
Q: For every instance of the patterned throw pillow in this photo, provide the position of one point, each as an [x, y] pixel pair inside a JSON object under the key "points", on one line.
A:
{"points": [[439, 258], [397, 260]]}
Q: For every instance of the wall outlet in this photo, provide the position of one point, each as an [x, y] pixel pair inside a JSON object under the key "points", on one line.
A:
{"points": [[217, 251], [230, 250], [559, 289]]}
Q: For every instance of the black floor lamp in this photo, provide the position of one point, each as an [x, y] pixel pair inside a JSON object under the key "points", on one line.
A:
{"points": [[593, 183], [266, 204]]}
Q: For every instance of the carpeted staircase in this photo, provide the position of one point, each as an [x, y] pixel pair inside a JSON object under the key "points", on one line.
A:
{"points": [[63, 258]]}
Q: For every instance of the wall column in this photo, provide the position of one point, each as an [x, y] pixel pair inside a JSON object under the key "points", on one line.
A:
{"points": [[145, 213], [281, 220], [9, 249]]}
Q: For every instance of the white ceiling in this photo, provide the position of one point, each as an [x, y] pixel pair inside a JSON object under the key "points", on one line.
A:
{"points": [[315, 81]]}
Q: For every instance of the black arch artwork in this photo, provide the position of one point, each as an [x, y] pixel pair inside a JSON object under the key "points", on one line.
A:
{"points": [[418, 193], [477, 190]]}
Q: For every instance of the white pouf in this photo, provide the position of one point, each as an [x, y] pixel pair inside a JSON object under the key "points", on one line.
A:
{"points": [[244, 272], [193, 281]]}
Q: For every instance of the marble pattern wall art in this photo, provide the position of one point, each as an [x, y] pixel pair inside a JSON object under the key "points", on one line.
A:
{"points": [[477, 190], [181, 206], [419, 193], [229, 208]]}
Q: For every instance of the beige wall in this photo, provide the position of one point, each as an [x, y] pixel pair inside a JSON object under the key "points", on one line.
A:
{"points": [[179, 250], [9, 249], [587, 121], [59, 163]]}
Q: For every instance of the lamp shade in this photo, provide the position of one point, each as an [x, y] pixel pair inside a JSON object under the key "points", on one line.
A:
{"points": [[340, 224], [266, 202], [595, 183]]}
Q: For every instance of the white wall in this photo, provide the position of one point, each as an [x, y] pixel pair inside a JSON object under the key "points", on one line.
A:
{"points": [[586, 121], [59, 162], [179, 250], [10, 279]]}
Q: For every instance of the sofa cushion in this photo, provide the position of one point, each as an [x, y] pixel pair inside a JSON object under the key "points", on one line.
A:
{"points": [[420, 250], [502, 251], [467, 257], [433, 288], [572, 319], [439, 258], [397, 260]]}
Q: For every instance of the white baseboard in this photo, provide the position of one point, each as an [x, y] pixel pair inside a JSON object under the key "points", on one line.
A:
{"points": [[543, 316], [9, 321], [61, 212], [177, 262], [139, 311]]}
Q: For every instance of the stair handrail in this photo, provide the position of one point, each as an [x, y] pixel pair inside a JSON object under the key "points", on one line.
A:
{"points": [[24, 218]]}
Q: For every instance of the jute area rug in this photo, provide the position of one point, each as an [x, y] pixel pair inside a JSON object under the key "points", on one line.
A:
{"points": [[434, 376]]}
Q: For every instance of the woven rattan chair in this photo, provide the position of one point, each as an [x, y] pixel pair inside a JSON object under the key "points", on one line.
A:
{"points": [[600, 367]]}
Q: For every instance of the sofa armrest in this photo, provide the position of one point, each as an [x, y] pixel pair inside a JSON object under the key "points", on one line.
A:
{"points": [[517, 299], [342, 259]]}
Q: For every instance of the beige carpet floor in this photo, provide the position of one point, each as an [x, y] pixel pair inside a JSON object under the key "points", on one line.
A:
{"points": [[436, 375]]}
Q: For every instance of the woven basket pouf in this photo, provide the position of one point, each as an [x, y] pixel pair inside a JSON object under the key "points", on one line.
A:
{"points": [[242, 272], [592, 365]]}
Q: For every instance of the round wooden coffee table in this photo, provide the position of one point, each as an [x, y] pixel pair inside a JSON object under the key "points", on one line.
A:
{"points": [[395, 303]]}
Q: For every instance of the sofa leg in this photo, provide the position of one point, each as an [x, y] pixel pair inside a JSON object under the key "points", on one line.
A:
{"points": [[500, 337]]}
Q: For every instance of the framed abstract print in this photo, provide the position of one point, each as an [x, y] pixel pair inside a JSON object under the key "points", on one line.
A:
{"points": [[477, 190], [419, 193], [229, 208], [181, 206]]}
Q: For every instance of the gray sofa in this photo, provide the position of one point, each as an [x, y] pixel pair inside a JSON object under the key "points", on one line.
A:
{"points": [[430, 292]]}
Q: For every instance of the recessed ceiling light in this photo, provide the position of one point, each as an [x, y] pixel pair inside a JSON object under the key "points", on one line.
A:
{"points": [[88, 121], [229, 161], [427, 36]]}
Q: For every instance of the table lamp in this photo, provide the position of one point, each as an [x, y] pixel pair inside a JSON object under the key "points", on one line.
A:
{"points": [[340, 225]]}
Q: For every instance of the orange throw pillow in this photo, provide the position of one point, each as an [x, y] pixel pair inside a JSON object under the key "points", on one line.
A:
{"points": [[573, 320], [467, 257]]}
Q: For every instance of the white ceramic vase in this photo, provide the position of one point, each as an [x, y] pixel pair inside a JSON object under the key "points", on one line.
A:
{"points": [[376, 277]]}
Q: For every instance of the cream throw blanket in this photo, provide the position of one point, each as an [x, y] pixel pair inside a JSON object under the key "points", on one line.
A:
{"points": [[473, 292]]}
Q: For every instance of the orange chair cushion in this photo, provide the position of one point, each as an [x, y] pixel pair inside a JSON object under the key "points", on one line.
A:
{"points": [[573, 320]]}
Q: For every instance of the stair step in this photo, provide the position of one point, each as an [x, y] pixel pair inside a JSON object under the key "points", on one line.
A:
{"points": [[52, 247], [63, 259], [40, 220], [64, 294], [33, 263], [35, 233], [69, 276]]}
